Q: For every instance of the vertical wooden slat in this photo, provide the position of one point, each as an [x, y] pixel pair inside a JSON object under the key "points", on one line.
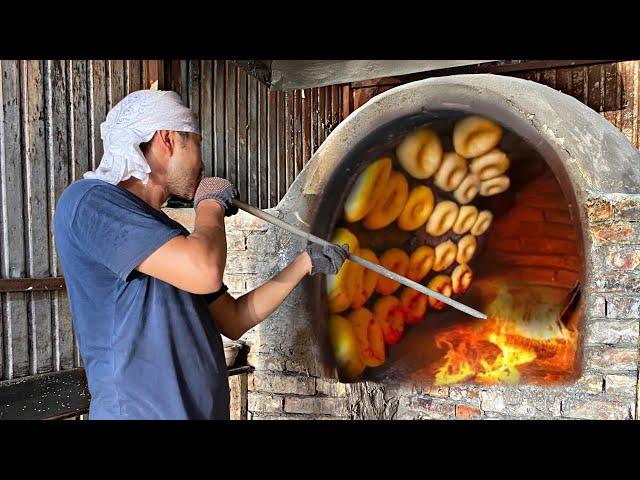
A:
{"points": [[281, 146], [194, 87], [35, 162], [548, 77], [230, 123], [241, 114], [346, 101], [116, 82], [563, 80], [328, 101], [263, 145], [272, 146], [219, 119], [134, 77], [206, 115], [321, 115], [594, 87], [183, 72], [627, 122], [326, 114], [297, 132], [97, 108], [151, 73], [254, 179], [80, 123], [59, 166], [611, 93], [175, 78], [16, 343], [306, 126], [313, 107], [288, 135], [578, 83], [335, 106]]}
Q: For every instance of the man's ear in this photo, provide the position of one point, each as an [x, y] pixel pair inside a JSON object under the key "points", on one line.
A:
{"points": [[166, 141]]}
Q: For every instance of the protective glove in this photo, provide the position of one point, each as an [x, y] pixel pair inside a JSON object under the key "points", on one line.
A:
{"points": [[327, 259], [218, 189]]}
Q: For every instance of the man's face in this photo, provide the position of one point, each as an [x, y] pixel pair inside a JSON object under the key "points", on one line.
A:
{"points": [[185, 166]]}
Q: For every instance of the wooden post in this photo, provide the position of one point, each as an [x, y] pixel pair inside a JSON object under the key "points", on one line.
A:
{"points": [[238, 386], [153, 74]]}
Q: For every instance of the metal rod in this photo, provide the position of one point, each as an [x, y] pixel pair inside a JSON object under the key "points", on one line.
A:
{"points": [[359, 260]]}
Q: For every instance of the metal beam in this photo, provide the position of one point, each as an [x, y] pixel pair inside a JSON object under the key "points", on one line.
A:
{"points": [[296, 74]]}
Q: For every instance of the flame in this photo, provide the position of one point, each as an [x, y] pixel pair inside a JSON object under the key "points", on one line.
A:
{"points": [[523, 336]]}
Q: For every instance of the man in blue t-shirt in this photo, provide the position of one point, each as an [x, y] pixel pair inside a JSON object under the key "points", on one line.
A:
{"points": [[147, 298]]}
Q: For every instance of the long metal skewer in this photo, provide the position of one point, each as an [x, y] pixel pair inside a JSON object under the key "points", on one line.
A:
{"points": [[356, 259]]}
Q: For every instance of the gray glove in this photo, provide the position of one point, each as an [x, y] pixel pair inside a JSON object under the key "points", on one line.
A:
{"points": [[218, 189], [328, 259]]}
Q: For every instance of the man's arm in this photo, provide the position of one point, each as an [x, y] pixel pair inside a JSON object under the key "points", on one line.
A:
{"points": [[234, 316], [194, 263]]}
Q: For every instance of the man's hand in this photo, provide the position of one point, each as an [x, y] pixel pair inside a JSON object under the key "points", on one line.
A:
{"points": [[218, 189], [327, 259]]}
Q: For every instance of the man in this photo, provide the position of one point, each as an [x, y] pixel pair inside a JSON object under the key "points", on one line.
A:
{"points": [[147, 298]]}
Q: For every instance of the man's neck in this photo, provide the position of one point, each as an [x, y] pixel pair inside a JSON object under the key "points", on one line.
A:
{"points": [[151, 193]]}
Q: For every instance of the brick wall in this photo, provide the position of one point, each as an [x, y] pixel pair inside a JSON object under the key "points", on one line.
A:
{"points": [[536, 241], [286, 385]]}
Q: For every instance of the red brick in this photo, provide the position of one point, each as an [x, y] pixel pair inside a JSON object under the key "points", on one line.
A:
{"points": [[539, 200], [622, 307], [573, 263], [466, 412], [620, 233], [611, 359], [531, 214], [506, 245], [628, 209], [433, 407], [258, 402], [561, 231], [618, 281], [624, 260], [284, 384], [559, 216], [316, 405], [598, 209], [548, 245], [595, 409], [566, 278], [529, 260], [235, 242], [536, 276]]}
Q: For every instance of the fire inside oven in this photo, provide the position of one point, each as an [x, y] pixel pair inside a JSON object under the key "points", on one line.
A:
{"points": [[463, 205]]}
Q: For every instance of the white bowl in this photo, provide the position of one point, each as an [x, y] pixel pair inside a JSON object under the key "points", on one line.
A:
{"points": [[231, 350]]}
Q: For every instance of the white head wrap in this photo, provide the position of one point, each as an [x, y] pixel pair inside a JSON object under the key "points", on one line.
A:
{"points": [[134, 120]]}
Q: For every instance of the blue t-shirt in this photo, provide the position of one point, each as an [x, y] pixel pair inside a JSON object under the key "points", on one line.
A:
{"points": [[150, 350]]}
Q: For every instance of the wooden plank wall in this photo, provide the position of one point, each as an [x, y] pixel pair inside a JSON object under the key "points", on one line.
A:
{"points": [[50, 115], [609, 88], [258, 139]]}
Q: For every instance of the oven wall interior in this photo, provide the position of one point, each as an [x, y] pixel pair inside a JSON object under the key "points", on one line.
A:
{"points": [[533, 246]]}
